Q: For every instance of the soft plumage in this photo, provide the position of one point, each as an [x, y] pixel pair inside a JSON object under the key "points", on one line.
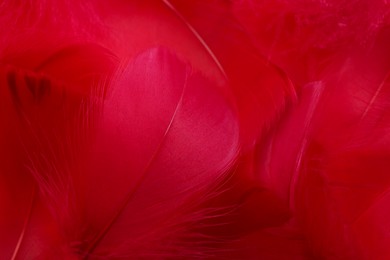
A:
{"points": [[169, 129]]}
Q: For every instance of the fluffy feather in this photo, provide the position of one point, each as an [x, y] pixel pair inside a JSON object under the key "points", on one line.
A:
{"points": [[172, 129]]}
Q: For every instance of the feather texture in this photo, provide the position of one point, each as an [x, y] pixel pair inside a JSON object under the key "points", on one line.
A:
{"points": [[172, 129]]}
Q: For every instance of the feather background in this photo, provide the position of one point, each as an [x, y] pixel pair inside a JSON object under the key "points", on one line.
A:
{"points": [[169, 129]]}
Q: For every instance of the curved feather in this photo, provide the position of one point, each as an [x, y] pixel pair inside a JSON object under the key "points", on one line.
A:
{"points": [[162, 128]]}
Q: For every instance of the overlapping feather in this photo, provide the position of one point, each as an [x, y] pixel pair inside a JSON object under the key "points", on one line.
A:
{"points": [[194, 129]]}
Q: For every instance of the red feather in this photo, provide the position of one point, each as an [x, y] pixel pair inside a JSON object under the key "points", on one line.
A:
{"points": [[169, 129]]}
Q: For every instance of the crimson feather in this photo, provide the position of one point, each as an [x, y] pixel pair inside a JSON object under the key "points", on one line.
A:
{"points": [[169, 129]]}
